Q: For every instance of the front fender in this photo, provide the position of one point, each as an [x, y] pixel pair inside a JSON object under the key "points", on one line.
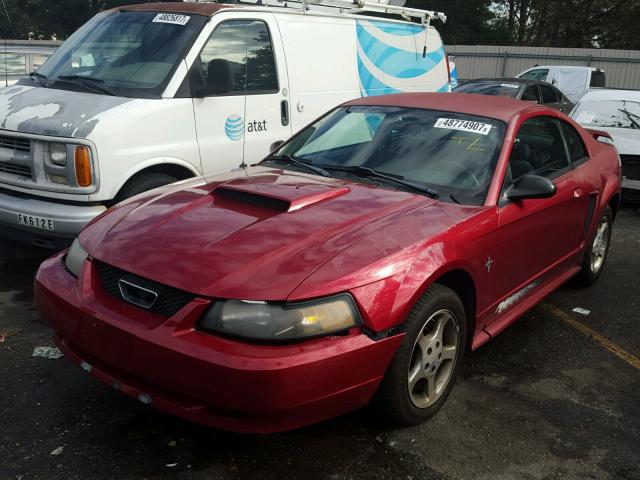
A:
{"points": [[151, 162]]}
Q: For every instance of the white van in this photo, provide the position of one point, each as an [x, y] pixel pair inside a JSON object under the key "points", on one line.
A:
{"points": [[574, 82], [145, 95]]}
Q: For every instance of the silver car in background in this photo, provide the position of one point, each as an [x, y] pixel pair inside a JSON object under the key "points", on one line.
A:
{"points": [[616, 112]]}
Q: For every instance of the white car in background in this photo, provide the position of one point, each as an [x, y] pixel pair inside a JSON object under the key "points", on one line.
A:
{"points": [[573, 81], [616, 112]]}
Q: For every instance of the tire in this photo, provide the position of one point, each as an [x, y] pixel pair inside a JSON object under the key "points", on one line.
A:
{"points": [[596, 254], [143, 182], [410, 401]]}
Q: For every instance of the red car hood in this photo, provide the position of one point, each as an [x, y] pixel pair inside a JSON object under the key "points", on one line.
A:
{"points": [[256, 236]]}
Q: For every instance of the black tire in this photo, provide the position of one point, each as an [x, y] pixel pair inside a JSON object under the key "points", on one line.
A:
{"points": [[393, 399], [589, 274], [143, 182]]}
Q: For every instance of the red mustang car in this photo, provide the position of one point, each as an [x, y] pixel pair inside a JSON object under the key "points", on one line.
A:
{"points": [[358, 261]]}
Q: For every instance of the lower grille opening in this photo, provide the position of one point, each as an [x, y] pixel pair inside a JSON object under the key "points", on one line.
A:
{"points": [[169, 301]]}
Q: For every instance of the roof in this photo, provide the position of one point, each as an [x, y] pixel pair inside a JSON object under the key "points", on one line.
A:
{"points": [[499, 108], [523, 81], [611, 94], [206, 8], [564, 67]]}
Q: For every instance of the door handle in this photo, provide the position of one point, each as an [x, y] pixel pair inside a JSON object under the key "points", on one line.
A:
{"points": [[578, 193], [284, 113]]}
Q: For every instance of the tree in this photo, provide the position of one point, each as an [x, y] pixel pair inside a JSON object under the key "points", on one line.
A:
{"points": [[46, 18]]}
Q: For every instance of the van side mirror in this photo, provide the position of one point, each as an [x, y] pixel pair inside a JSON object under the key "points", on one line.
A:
{"points": [[219, 79], [531, 186], [275, 145]]}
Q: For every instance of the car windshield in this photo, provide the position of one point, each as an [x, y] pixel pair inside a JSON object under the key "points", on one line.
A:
{"points": [[497, 89], [130, 54], [451, 155], [608, 113]]}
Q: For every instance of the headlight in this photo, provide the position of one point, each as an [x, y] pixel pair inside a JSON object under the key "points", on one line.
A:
{"points": [[281, 321], [58, 153], [76, 257]]}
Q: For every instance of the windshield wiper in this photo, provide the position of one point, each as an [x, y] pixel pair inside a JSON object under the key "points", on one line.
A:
{"points": [[630, 116], [288, 159], [42, 78], [371, 173], [89, 82]]}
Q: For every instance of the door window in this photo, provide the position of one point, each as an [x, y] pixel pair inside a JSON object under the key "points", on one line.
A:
{"points": [[538, 149], [537, 74], [577, 150], [531, 94], [240, 52], [549, 94]]}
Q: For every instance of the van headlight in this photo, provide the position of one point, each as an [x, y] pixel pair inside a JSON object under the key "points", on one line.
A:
{"points": [[76, 256], [58, 153], [281, 321]]}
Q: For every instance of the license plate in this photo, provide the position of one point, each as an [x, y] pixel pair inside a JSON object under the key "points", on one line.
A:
{"points": [[36, 222]]}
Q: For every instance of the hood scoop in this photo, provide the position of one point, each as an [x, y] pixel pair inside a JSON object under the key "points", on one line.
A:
{"points": [[283, 193]]}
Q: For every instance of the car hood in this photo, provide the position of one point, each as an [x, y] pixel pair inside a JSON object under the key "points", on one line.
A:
{"points": [[255, 236], [627, 140], [48, 111]]}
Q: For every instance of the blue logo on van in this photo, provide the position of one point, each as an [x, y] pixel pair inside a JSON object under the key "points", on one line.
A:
{"points": [[234, 127], [391, 59]]}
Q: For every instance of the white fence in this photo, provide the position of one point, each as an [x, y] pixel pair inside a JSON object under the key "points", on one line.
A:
{"points": [[622, 67]]}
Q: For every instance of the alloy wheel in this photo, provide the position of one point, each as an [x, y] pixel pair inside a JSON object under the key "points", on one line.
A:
{"points": [[433, 358]]}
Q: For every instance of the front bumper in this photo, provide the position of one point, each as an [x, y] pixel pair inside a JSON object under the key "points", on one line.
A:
{"points": [[203, 378], [68, 220]]}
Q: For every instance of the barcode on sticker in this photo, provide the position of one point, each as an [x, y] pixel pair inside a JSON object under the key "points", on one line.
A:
{"points": [[172, 18], [463, 125]]}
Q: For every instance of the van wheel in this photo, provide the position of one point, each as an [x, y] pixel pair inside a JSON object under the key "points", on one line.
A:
{"points": [[421, 375], [143, 182], [596, 254]]}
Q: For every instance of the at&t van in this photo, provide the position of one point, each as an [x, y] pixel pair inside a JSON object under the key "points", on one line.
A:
{"points": [[145, 95]]}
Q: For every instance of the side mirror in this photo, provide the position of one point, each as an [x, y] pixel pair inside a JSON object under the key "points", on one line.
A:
{"points": [[531, 186], [219, 79], [275, 145]]}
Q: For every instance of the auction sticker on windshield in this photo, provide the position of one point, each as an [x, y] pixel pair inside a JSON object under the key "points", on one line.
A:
{"points": [[36, 222], [463, 125], [172, 18]]}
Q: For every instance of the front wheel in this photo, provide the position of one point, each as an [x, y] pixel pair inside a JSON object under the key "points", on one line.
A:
{"points": [[422, 373], [143, 182], [596, 254]]}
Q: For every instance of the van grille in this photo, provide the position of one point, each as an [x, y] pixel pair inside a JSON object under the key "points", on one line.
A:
{"points": [[170, 300], [15, 169], [630, 166], [14, 143]]}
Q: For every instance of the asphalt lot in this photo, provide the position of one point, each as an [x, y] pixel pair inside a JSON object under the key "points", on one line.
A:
{"points": [[543, 400]]}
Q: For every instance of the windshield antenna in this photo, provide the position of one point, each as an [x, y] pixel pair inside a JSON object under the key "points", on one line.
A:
{"points": [[243, 165]]}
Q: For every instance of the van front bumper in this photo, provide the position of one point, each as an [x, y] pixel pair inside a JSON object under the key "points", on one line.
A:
{"points": [[170, 365], [67, 220]]}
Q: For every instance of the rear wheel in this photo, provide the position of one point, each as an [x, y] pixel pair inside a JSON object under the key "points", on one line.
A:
{"points": [[596, 254], [143, 182], [422, 373]]}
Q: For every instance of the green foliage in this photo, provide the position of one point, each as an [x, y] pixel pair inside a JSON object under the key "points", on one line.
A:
{"points": [[553, 23], [47, 18]]}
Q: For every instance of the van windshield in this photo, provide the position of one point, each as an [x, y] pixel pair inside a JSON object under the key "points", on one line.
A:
{"points": [[129, 54]]}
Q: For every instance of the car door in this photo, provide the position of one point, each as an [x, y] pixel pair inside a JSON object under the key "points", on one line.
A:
{"points": [[240, 115], [536, 238], [584, 173]]}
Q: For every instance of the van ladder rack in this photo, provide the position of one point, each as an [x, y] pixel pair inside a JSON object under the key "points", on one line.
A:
{"points": [[353, 6]]}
